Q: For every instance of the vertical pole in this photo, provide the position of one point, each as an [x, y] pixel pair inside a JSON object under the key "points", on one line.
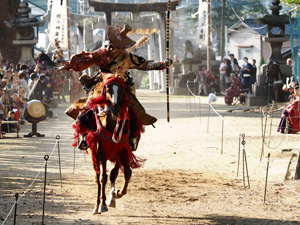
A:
{"points": [[223, 29], [168, 58], [264, 136], [267, 177], [46, 157], [68, 27], [59, 165], [222, 139], [16, 204], [207, 130], [200, 108], [208, 22], [272, 112], [262, 128], [246, 166], [239, 156]]}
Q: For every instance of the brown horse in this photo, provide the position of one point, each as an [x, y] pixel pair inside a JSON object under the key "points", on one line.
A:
{"points": [[108, 137]]}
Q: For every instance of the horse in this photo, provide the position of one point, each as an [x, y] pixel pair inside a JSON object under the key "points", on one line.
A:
{"points": [[107, 125]]}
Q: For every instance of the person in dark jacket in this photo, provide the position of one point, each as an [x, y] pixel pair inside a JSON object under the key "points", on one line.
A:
{"points": [[37, 92]]}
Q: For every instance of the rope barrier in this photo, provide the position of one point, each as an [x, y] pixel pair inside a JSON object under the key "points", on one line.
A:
{"points": [[249, 155], [274, 172], [29, 187]]}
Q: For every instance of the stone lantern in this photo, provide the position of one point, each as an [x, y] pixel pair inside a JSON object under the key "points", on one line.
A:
{"points": [[24, 26]]}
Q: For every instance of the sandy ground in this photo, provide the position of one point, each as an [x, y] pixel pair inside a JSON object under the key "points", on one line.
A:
{"points": [[185, 180]]}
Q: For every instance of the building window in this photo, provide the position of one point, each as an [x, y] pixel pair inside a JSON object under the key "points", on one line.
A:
{"points": [[245, 52]]}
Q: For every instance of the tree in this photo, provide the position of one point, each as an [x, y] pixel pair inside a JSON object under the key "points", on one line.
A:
{"points": [[235, 10], [291, 2], [9, 11]]}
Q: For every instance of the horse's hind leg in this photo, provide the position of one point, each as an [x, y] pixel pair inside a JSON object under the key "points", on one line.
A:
{"points": [[113, 176], [127, 175]]}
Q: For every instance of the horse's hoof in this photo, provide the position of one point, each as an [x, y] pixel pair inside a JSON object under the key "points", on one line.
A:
{"points": [[103, 209], [118, 194], [96, 211], [112, 202]]}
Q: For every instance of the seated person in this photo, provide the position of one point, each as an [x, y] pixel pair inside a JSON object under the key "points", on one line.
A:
{"points": [[10, 127], [211, 82], [234, 90], [290, 115]]}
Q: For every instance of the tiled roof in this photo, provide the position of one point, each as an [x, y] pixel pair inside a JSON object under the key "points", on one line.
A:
{"points": [[261, 28]]}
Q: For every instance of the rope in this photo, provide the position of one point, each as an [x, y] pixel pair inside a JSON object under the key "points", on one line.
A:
{"points": [[28, 188], [274, 172]]}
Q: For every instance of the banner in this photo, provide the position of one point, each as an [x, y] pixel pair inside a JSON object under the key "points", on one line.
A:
{"points": [[201, 30], [58, 28]]}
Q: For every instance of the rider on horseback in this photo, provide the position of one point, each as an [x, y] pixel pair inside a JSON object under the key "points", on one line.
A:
{"points": [[113, 58]]}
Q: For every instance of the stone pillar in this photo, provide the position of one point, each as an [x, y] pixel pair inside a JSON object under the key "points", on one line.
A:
{"points": [[79, 39], [162, 48], [87, 34], [108, 18], [151, 72]]}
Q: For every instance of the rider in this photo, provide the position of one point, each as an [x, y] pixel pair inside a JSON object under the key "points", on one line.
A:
{"points": [[113, 57]]}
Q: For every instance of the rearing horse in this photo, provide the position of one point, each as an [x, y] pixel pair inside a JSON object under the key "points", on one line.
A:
{"points": [[108, 137]]}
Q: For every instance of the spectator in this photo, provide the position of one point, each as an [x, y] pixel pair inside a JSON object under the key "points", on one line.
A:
{"points": [[5, 64], [32, 81], [228, 70], [289, 62], [11, 127], [232, 61], [246, 72], [237, 68], [8, 74], [234, 90], [274, 75], [254, 72], [2, 110], [176, 66], [1, 77], [200, 80], [24, 84], [47, 100], [211, 82], [37, 92]]}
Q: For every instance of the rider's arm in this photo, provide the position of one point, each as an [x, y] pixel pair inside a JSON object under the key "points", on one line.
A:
{"points": [[85, 60], [143, 64]]}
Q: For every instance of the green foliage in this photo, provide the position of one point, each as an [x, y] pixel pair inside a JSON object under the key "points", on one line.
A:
{"points": [[291, 2], [234, 10]]}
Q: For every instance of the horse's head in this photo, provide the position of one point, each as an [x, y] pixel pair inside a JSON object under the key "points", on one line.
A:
{"points": [[114, 90]]}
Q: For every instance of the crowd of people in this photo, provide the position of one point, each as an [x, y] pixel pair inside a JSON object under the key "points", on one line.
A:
{"points": [[21, 83], [233, 78]]}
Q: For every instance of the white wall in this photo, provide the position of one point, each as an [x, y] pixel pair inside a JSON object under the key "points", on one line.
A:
{"points": [[245, 36]]}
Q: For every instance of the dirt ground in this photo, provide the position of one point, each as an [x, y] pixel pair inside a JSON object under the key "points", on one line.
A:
{"points": [[185, 180]]}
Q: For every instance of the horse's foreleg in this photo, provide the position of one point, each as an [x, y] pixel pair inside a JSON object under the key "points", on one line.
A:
{"points": [[96, 209], [127, 175], [103, 207], [113, 176]]}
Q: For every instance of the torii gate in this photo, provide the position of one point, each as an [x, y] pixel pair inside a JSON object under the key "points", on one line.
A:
{"points": [[135, 9]]}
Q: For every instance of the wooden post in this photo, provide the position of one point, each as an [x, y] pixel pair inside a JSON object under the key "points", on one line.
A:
{"points": [[207, 130], [239, 156], [208, 28], [222, 139], [200, 108], [272, 112], [223, 29], [266, 177], [264, 136]]}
